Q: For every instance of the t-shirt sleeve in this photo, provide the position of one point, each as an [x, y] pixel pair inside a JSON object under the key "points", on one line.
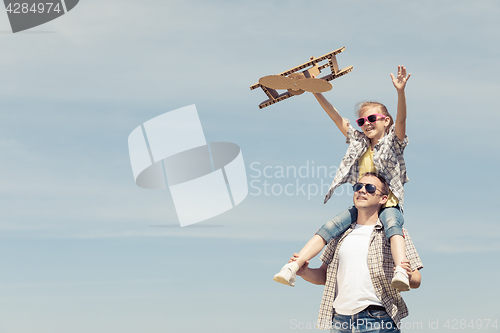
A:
{"points": [[327, 254], [411, 253]]}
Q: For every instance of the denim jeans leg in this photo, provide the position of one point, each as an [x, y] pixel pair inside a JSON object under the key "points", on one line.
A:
{"points": [[338, 224], [367, 321], [392, 219], [342, 324], [376, 321]]}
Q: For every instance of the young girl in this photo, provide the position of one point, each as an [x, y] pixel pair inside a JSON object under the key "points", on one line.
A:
{"points": [[379, 148]]}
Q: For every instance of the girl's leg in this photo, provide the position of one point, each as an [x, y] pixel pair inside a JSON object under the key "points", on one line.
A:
{"points": [[310, 250], [328, 231], [392, 219], [398, 249]]}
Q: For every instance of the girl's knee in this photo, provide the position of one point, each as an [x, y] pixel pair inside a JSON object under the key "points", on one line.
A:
{"points": [[391, 219]]}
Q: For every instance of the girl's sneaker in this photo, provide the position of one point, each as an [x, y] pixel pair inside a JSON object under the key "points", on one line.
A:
{"points": [[400, 280], [286, 275]]}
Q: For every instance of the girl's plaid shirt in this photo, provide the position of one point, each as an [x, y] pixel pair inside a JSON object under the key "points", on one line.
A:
{"points": [[387, 157]]}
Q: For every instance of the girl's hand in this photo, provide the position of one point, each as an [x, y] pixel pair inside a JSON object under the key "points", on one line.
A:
{"points": [[303, 268], [399, 82]]}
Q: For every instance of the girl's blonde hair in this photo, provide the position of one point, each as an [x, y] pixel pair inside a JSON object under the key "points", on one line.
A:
{"points": [[362, 106]]}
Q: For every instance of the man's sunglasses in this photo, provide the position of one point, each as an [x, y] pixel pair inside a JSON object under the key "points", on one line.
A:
{"points": [[370, 188], [371, 119]]}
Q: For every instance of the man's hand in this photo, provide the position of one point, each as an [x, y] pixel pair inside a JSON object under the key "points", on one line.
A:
{"points": [[406, 266], [303, 268], [400, 81], [413, 276]]}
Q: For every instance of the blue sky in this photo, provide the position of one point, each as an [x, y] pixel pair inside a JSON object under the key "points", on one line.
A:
{"points": [[83, 249]]}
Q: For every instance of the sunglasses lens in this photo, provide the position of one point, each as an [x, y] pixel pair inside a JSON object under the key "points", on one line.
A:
{"points": [[360, 122], [370, 188], [372, 118], [357, 187]]}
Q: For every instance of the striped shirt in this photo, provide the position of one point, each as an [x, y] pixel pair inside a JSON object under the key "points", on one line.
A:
{"points": [[381, 267], [387, 157]]}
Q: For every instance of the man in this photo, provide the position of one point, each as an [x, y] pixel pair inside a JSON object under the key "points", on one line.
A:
{"points": [[358, 267]]}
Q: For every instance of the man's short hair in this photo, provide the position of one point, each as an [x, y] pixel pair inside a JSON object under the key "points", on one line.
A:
{"points": [[385, 186]]}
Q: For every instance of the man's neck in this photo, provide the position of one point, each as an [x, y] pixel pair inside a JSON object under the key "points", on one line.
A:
{"points": [[367, 216]]}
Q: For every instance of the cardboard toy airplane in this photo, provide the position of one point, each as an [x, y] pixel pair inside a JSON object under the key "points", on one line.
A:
{"points": [[296, 83]]}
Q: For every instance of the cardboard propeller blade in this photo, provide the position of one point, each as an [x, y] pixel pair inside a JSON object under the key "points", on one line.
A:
{"points": [[296, 84], [276, 82], [314, 85]]}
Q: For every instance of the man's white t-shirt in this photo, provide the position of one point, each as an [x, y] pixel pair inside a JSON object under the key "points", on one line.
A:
{"points": [[355, 289]]}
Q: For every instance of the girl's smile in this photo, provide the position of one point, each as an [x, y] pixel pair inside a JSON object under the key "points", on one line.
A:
{"points": [[374, 130]]}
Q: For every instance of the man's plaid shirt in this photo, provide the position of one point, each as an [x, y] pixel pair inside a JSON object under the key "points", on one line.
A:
{"points": [[387, 158], [381, 267]]}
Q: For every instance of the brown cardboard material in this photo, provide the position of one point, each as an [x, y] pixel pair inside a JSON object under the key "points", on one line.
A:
{"points": [[297, 83]]}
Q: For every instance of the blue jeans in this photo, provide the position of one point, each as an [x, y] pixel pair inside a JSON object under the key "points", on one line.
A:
{"points": [[373, 321], [391, 218]]}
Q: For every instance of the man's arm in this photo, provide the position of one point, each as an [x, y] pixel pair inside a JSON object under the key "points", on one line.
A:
{"points": [[313, 275], [415, 279], [414, 264], [414, 276]]}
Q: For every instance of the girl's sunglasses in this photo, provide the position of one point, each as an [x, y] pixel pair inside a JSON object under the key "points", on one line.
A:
{"points": [[371, 119], [370, 188]]}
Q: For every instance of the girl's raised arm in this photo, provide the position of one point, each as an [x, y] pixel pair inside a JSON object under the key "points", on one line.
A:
{"points": [[341, 123], [400, 84]]}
